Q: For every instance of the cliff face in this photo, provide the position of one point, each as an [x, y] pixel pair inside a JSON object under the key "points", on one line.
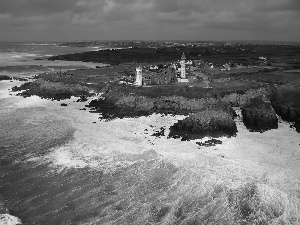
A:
{"points": [[213, 123], [172, 104], [289, 113], [259, 116], [286, 102]]}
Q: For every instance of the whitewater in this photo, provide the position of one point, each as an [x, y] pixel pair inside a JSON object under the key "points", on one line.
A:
{"points": [[63, 165]]}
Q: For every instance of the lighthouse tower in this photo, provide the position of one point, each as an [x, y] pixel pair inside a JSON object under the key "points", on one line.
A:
{"points": [[139, 77], [182, 63], [182, 78]]}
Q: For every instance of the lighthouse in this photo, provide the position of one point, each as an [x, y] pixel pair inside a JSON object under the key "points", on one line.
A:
{"points": [[182, 78], [182, 64], [139, 77]]}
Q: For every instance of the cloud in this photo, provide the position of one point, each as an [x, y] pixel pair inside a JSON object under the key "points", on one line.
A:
{"points": [[165, 19]]}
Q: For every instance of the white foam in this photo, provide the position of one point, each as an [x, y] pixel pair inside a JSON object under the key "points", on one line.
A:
{"points": [[6, 219]]}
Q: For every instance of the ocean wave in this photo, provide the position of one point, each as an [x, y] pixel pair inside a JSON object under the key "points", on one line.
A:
{"points": [[20, 55], [41, 44], [6, 219]]}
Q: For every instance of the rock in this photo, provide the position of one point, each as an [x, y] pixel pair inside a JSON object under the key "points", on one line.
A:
{"points": [[23, 79], [288, 113], [286, 102], [259, 116], [52, 90], [64, 104], [4, 77], [297, 125], [212, 142], [159, 133], [212, 122]]}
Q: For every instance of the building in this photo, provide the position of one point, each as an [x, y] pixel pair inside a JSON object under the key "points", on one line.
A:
{"points": [[182, 64], [161, 76], [182, 78], [139, 77]]}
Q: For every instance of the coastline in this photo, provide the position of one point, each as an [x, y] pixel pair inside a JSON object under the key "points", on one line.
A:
{"points": [[270, 159], [134, 129]]}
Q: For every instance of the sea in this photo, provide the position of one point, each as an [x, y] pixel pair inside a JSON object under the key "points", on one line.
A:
{"points": [[61, 165], [28, 59]]}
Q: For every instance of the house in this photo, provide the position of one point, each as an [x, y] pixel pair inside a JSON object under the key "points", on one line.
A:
{"points": [[153, 67], [262, 58]]}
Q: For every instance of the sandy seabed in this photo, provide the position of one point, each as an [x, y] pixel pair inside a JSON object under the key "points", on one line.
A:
{"points": [[270, 159]]}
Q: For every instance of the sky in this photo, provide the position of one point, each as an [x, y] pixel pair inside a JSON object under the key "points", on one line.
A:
{"points": [[216, 20]]}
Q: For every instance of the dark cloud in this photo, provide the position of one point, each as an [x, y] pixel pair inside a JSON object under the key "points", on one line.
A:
{"points": [[146, 19], [35, 7]]}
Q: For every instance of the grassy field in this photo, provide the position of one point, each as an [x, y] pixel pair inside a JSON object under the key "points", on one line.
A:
{"points": [[99, 71], [276, 77], [234, 70]]}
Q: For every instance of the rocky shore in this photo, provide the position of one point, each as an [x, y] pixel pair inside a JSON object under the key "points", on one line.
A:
{"points": [[213, 123], [52, 90], [286, 102], [259, 116]]}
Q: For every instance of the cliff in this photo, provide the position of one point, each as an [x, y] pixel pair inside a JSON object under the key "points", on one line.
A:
{"points": [[211, 122], [259, 116], [286, 102]]}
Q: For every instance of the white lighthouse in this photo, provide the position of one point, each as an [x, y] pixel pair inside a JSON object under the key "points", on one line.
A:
{"points": [[139, 77], [182, 64], [182, 78]]}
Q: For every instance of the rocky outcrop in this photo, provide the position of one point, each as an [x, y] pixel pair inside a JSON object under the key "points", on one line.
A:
{"points": [[288, 113], [286, 102], [52, 90], [134, 105], [4, 77], [209, 143], [259, 116], [212, 122]]}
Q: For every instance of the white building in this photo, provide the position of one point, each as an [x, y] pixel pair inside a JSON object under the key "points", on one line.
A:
{"points": [[139, 77], [262, 58], [182, 78], [153, 67]]}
